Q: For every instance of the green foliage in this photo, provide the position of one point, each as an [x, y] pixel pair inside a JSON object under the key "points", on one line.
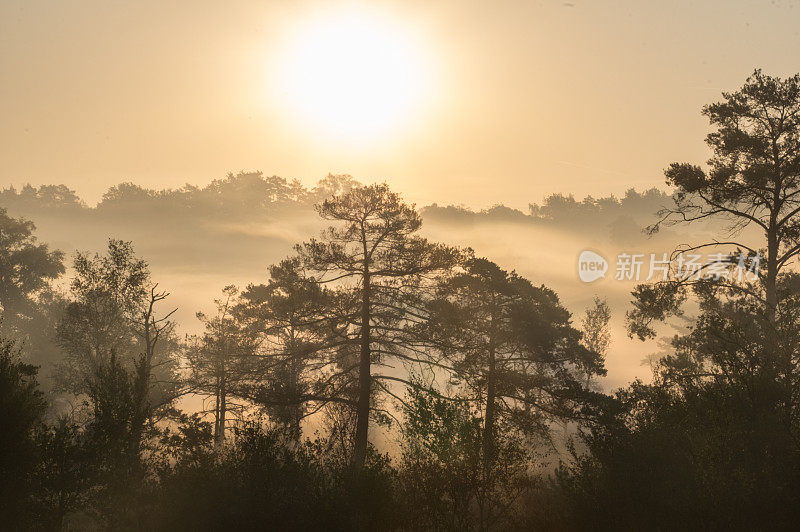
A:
{"points": [[28, 302], [443, 472], [713, 440], [753, 181], [64, 475], [710, 443], [378, 264], [596, 335], [115, 436], [26, 267], [264, 481], [289, 315], [678, 458], [653, 303], [22, 407], [221, 361], [111, 312], [513, 345]]}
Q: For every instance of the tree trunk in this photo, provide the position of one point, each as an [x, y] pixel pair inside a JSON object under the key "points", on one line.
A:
{"points": [[489, 421], [219, 425], [216, 412], [364, 380], [772, 275], [223, 406], [488, 428], [295, 409]]}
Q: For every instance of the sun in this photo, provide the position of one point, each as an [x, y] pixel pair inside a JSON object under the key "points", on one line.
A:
{"points": [[356, 76]]}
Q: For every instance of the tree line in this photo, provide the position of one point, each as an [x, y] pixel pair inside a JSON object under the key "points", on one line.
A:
{"points": [[476, 371], [360, 326]]}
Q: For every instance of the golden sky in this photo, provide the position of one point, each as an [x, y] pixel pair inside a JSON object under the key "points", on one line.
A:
{"points": [[485, 102]]}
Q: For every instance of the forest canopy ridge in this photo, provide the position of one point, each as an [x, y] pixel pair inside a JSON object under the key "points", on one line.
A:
{"points": [[250, 192]]}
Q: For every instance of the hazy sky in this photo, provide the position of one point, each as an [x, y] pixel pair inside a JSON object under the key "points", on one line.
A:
{"points": [[512, 100]]}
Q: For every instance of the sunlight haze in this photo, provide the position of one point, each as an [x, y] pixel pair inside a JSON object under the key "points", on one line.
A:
{"points": [[399, 265], [503, 103]]}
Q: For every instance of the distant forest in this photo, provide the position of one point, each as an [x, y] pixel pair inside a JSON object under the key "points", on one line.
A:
{"points": [[367, 365], [240, 204], [245, 194], [252, 198]]}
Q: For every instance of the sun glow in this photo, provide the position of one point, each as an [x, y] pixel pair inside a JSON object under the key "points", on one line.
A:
{"points": [[354, 76]]}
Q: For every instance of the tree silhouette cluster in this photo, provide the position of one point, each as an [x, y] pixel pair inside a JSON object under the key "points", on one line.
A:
{"points": [[282, 413]]}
